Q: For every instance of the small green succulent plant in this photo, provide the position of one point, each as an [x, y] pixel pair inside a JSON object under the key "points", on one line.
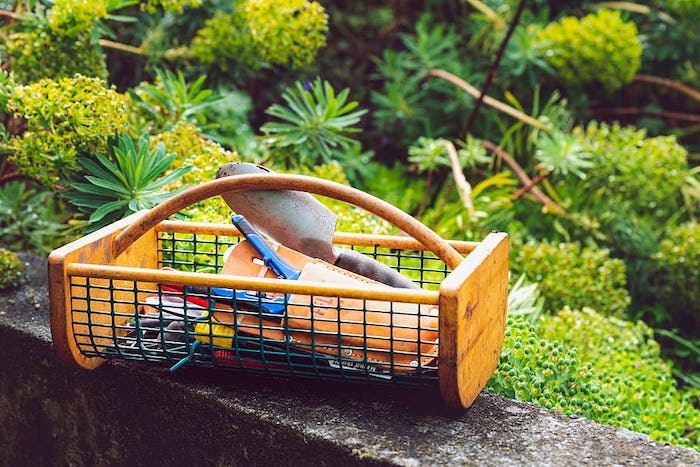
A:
{"points": [[128, 179], [12, 271]]}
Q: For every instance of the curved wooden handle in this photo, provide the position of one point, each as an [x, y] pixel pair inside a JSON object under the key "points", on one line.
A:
{"points": [[408, 224]]}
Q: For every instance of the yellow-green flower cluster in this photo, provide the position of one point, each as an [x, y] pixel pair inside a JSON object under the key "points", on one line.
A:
{"points": [[575, 276], [205, 157], [74, 17], [648, 173], [224, 41], [63, 118], [173, 6], [42, 53], [286, 33], [202, 154], [12, 270], [598, 48]]}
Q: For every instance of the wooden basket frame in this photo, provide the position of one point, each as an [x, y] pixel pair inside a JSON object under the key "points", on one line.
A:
{"points": [[472, 298]]}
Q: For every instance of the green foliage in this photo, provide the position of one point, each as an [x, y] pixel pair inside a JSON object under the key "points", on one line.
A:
{"points": [[600, 48], [646, 172], [626, 365], [127, 180], [524, 300], [173, 6], [526, 55], [673, 297], [315, 124], [575, 276], [679, 263], [75, 17], [43, 53], [12, 271], [194, 150], [29, 219], [285, 33], [390, 184], [561, 152], [228, 123], [172, 100], [350, 218], [63, 118], [409, 105], [546, 372], [428, 154]]}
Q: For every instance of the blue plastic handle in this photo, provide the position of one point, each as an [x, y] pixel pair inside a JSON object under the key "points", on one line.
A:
{"points": [[273, 306], [269, 257]]}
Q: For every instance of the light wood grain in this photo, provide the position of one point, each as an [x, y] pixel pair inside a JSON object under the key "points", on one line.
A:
{"points": [[473, 307]]}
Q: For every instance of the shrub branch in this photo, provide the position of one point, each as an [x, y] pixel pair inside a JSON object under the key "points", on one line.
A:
{"points": [[523, 177], [488, 100], [463, 187], [668, 83]]}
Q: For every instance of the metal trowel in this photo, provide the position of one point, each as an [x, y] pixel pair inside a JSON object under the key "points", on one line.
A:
{"points": [[300, 222]]}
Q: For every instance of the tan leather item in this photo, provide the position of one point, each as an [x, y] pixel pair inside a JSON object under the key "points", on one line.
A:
{"points": [[392, 335]]}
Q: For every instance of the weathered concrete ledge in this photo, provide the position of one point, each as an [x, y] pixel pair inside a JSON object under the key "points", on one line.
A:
{"points": [[129, 413]]}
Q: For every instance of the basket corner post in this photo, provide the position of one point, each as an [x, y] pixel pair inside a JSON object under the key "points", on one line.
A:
{"points": [[473, 308]]}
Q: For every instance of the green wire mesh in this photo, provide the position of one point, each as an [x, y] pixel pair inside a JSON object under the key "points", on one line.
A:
{"points": [[177, 326]]}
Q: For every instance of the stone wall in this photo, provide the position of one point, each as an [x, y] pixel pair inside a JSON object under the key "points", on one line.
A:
{"points": [[142, 415]]}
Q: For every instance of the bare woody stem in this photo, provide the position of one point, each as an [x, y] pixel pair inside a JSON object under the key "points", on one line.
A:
{"points": [[637, 111], [485, 10], [463, 187], [494, 66], [488, 100], [121, 47], [668, 83], [523, 177], [533, 183], [10, 14]]}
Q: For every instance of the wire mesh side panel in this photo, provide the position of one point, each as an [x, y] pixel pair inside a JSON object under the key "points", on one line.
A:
{"points": [[284, 334]]}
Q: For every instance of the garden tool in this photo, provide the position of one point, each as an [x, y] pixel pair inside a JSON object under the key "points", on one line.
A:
{"points": [[370, 333], [300, 222]]}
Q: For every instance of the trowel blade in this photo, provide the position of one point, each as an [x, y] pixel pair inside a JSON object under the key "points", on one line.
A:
{"points": [[292, 218]]}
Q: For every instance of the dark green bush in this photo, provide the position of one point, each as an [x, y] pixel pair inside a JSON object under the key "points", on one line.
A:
{"points": [[575, 276], [678, 262], [30, 219]]}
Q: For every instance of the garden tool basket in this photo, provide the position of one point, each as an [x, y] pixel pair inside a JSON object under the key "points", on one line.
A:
{"points": [[173, 293]]}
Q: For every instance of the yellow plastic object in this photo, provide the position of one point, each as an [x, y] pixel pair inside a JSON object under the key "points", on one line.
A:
{"points": [[216, 334], [99, 283]]}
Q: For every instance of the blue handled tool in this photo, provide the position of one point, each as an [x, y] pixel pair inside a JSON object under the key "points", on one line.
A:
{"points": [[269, 257], [273, 306]]}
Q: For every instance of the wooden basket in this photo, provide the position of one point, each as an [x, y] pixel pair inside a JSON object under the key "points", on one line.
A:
{"points": [[144, 288]]}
